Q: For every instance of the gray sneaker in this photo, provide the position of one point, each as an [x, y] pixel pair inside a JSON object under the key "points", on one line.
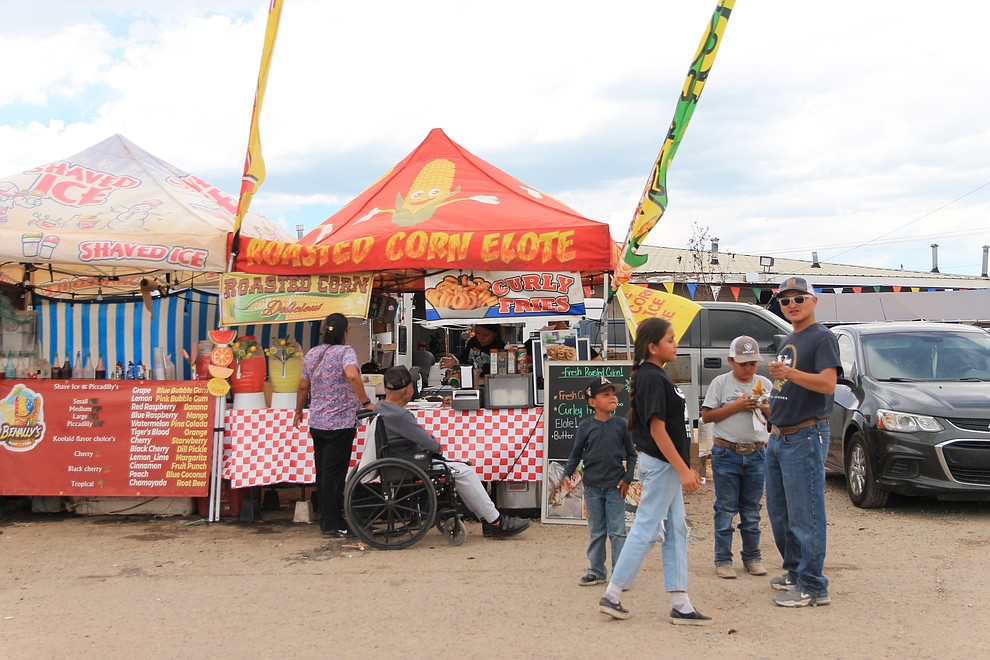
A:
{"points": [[614, 610], [782, 583], [797, 598], [693, 618], [591, 579]]}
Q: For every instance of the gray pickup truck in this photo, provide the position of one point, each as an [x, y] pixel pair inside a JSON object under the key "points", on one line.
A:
{"points": [[703, 350]]}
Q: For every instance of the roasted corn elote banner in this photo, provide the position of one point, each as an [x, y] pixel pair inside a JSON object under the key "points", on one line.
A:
{"points": [[279, 298], [441, 207], [653, 202], [493, 295], [640, 302]]}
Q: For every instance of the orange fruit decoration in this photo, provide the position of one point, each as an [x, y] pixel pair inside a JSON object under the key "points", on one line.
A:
{"points": [[218, 386], [222, 355], [220, 372], [222, 337]]}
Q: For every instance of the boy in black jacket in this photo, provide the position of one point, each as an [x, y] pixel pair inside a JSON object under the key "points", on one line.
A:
{"points": [[604, 446]]}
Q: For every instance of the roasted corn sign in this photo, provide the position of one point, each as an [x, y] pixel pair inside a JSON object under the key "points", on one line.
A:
{"points": [[441, 208], [492, 296], [280, 298]]}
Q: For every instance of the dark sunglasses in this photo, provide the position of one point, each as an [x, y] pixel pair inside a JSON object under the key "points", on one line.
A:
{"points": [[798, 300]]}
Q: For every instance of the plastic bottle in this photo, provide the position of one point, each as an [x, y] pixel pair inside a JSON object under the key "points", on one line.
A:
{"points": [[77, 368], [56, 367], [118, 371], [101, 369], [89, 371], [40, 363], [10, 368], [34, 366], [140, 373], [21, 368], [131, 372], [66, 367]]}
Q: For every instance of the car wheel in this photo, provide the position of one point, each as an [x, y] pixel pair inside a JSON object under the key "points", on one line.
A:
{"points": [[860, 483]]}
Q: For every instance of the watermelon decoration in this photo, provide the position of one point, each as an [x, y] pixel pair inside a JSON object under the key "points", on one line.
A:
{"points": [[222, 337]]}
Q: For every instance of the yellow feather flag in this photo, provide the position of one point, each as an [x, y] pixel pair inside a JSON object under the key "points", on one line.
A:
{"points": [[640, 302], [254, 164]]}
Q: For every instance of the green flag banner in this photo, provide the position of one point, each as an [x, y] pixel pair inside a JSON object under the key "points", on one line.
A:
{"points": [[654, 199]]}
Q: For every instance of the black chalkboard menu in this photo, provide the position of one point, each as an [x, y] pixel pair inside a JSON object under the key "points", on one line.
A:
{"points": [[565, 406]]}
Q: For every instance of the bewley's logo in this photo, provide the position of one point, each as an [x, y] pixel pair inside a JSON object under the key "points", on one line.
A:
{"points": [[22, 420]]}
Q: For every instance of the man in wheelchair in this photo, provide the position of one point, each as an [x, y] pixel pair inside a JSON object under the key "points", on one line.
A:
{"points": [[402, 430]]}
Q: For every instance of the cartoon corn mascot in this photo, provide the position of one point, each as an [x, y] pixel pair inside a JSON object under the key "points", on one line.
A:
{"points": [[432, 188]]}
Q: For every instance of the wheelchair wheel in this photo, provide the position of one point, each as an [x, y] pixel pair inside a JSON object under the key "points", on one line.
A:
{"points": [[453, 530], [390, 504]]}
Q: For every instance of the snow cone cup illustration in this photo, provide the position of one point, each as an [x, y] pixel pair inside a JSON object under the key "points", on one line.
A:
{"points": [[87, 222], [48, 246], [30, 242]]}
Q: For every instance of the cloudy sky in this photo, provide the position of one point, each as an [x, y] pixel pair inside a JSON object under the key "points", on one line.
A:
{"points": [[857, 129]]}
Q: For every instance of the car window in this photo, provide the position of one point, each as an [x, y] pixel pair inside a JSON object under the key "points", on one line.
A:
{"points": [[847, 355], [727, 324], [618, 335], [927, 355]]}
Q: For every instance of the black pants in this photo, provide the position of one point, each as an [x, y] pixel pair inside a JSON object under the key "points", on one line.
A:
{"points": [[333, 454]]}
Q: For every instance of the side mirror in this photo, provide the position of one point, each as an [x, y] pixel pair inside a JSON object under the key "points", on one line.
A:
{"points": [[778, 343]]}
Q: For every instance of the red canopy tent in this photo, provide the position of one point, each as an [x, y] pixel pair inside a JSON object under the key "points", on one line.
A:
{"points": [[440, 208]]}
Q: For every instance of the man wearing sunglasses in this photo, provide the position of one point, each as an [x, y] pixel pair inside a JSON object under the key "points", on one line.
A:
{"points": [[804, 374]]}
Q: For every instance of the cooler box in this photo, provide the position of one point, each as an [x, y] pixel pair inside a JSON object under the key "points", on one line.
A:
{"points": [[518, 494]]}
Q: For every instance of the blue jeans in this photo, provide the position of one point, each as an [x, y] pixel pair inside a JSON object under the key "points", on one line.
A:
{"points": [[738, 489], [796, 504], [606, 517], [660, 517]]}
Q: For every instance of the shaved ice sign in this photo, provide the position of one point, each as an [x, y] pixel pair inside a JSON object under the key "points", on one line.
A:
{"points": [[75, 185]]}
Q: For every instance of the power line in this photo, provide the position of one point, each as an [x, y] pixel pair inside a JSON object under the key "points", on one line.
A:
{"points": [[905, 239], [873, 240]]}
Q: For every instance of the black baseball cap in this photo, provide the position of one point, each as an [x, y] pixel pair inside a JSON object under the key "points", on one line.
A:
{"points": [[397, 378], [596, 385]]}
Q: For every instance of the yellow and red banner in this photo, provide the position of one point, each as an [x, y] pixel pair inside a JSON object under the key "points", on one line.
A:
{"points": [[248, 298], [441, 208], [150, 438], [640, 302], [254, 163], [653, 202]]}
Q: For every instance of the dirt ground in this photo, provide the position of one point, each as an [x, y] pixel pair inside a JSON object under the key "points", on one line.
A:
{"points": [[909, 581]]}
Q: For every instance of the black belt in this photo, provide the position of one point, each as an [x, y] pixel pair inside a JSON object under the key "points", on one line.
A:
{"points": [[787, 430], [744, 448]]}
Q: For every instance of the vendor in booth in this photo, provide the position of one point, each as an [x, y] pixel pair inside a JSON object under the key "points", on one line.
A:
{"points": [[478, 349]]}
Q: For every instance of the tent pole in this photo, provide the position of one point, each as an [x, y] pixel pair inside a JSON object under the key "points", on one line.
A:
{"points": [[603, 324], [219, 421]]}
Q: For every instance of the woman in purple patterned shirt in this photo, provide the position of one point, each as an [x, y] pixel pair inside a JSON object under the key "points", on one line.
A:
{"points": [[331, 381]]}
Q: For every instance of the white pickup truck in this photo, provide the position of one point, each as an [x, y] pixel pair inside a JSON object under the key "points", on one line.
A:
{"points": [[703, 349]]}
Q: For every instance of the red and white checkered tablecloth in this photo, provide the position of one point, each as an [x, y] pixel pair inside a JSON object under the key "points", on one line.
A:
{"points": [[262, 448]]}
